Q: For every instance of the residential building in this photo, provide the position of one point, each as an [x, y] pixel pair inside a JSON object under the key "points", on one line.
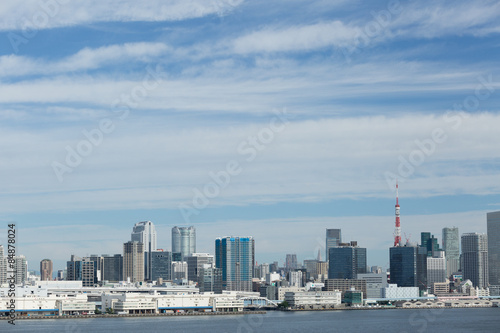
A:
{"points": [[46, 270], [236, 257], [133, 261]]}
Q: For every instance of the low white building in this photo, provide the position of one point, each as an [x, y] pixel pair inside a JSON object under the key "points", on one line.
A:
{"points": [[313, 298], [283, 290], [392, 291]]}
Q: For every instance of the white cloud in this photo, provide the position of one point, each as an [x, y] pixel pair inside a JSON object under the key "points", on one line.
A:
{"points": [[34, 14]]}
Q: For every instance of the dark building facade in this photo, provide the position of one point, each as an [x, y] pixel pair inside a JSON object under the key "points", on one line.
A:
{"points": [[403, 266]]}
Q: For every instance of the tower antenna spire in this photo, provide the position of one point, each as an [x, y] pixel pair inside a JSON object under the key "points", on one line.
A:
{"points": [[397, 230]]}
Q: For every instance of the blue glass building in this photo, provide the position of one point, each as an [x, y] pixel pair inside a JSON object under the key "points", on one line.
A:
{"points": [[235, 256], [403, 266], [346, 262]]}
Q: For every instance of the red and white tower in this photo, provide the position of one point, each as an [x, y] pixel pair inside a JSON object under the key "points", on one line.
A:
{"points": [[397, 230]]}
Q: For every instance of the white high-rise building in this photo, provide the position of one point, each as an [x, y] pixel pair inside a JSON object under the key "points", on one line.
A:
{"points": [[184, 241], [145, 233], [451, 246], [475, 259], [436, 268]]}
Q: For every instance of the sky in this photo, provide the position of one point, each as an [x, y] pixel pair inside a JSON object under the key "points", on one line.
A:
{"points": [[272, 119]]}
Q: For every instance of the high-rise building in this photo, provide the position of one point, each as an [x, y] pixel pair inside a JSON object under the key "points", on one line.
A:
{"points": [[403, 266], [211, 279], [333, 239], [20, 269], [3, 267], [161, 265], [451, 246], [474, 260], [493, 225], [46, 270], [98, 267], [74, 269], [195, 263], [184, 241], [179, 270], [346, 262], [145, 233], [436, 269], [236, 257], [422, 268], [291, 262], [112, 268], [133, 261], [90, 276]]}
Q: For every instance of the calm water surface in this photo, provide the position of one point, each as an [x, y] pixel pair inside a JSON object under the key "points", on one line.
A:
{"points": [[435, 320]]}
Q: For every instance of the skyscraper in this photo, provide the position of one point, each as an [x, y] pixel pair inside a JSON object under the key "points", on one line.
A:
{"points": [[333, 238], [451, 246], [403, 266], [74, 269], [493, 225], [436, 269], [346, 262], [161, 265], [133, 261], [145, 233], [291, 262], [475, 259], [195, 263], [236, 257], [46, 270], [184, 241], [112, 268], [20, 269]]}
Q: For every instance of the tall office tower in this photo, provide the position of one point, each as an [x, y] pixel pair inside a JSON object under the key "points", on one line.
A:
{"points": [[333, 238], [210, 279], [475, 259], [161, 265], [422, 268], [89, 273], [133, 261], [3, 267], [112, 268], [74, 269], [236, 257], [184, 241], [46, 270], [451, 246], [291, 262], [20, 269], [493, 225], [346, 262], [436, 269], [403, 266], [145, 233], [179, 270], [429, 242], [98, 267], [195, 264]]}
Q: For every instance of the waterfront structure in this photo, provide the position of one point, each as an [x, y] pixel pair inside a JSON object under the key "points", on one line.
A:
{"points": [[133, 261], [313, 299], [403, 265], [112, 270], [184, 241], [161, 265], [46, 270], [345, 262], [195, 263], [344, 285], [493, 227], [236, 257], [291, 262], [451, 246], [375, 283], [145, 233], [333, 239], [475, 259], [392, 291]]}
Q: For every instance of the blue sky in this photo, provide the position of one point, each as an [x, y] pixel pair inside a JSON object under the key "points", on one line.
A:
{"points": [[117, 112]]}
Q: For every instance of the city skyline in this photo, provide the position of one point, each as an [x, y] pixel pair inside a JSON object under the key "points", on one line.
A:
{"points": [[249, 117]]}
